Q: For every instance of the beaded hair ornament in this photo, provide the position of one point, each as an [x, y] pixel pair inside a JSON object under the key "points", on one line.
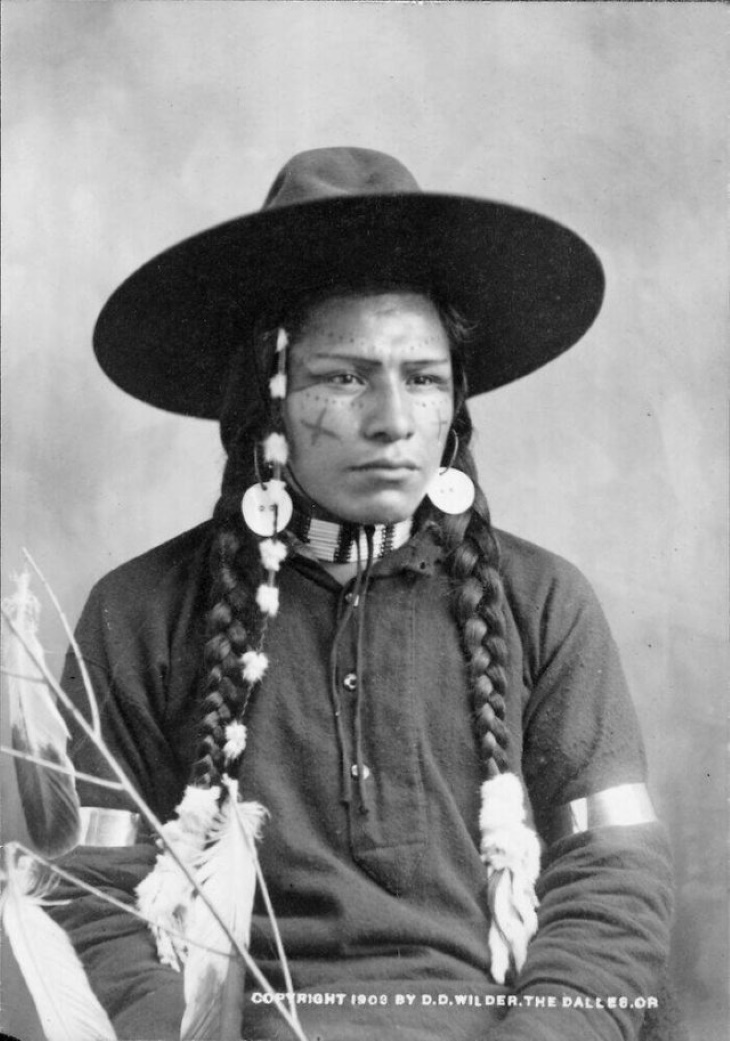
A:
{"points": [[509, 848]]}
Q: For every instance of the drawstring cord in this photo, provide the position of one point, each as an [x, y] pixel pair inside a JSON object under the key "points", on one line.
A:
{"points": [[354, 599], [361, 787]]}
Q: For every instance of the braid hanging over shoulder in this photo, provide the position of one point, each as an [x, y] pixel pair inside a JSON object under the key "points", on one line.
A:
{"points": [[232, 627], [509, 848], [240, 567]]}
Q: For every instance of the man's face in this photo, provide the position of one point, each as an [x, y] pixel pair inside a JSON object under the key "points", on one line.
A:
{"points": [[369, 404]]}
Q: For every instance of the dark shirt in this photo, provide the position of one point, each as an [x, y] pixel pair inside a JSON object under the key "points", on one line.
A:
{"points": [[391, 894]]}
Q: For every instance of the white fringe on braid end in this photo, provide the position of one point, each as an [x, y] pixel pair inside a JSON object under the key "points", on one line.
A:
{"points": [[511, 852], [165, 895]]}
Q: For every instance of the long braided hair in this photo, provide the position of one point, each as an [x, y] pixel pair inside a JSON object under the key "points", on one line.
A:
{"points": [[235, 626], [477, 603]]}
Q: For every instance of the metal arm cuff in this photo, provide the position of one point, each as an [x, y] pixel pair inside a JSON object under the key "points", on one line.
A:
{"points": [[103, 827], [622, 806]]}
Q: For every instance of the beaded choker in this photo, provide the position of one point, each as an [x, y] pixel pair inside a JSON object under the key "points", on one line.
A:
{"points": [[343, 543]]}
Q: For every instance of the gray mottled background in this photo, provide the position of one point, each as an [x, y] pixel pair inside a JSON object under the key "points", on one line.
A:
{"points": [[127, 126]]}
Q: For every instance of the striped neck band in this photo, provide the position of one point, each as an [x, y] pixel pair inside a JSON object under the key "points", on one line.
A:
{"points": [[338, 543]]}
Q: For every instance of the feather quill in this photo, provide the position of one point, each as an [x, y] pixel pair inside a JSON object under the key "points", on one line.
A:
{"points": [[214, 983], [65, 1003], [48, 796]]}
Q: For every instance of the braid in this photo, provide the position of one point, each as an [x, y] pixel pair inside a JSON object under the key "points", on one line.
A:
{"points": [[478, 608], [472, 562], [233, 624], [234, 572], [508, 846], [227, 639]]}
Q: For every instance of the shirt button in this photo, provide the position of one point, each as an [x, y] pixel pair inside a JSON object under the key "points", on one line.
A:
{"points": [[356, 773], [350, 681]]}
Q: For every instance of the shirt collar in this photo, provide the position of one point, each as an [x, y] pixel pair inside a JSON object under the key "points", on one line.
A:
{"points": [[420, 556]]}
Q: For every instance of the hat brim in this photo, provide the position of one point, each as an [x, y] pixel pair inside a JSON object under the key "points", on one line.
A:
{"points": [[530, 287]]}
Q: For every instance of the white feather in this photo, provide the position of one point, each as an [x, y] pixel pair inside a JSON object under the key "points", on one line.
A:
{"points": [[165, 894], [65, 1003], [214, 984], [48, 796]]}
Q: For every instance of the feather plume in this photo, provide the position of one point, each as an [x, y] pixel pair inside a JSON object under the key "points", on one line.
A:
{"points": [[48, 796], [267, 598], [276, 449], [255, 664], [511, 851], [235, 746], [277, 386], [165, 895], [65, 1003], [214, 983], [273, 552]]}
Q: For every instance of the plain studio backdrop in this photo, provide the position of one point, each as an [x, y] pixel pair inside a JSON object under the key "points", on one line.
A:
{"points": [[128, 126]]}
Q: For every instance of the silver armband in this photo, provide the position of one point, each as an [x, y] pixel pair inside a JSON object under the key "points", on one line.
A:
{"points": [[103, 827], [622, 806]]}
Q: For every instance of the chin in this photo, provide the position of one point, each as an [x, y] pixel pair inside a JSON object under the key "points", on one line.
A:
{"points": [[379, 510]]}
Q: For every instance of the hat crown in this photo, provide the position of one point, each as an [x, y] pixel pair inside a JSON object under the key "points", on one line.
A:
{"points": [[323, 173]]}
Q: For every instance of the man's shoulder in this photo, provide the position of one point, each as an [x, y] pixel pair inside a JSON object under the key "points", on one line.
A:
{"points": [[175, 564], [535, 574], [549, 598]]}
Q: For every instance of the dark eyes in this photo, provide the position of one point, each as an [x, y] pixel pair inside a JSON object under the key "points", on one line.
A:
{"points": [[426, 380], [343, 379], [351, 379]]}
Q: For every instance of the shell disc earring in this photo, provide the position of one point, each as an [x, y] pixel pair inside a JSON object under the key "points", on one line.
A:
{"points": [[267, 506], [451, 490]]}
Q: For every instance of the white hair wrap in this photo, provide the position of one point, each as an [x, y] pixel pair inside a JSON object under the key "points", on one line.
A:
{"points": [[511, 852]]}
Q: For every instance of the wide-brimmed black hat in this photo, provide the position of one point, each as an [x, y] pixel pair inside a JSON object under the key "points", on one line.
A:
{"points": [[345, 217]]}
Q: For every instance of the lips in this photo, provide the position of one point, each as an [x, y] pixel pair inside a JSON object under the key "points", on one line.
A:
{"points": [[396, 465]]}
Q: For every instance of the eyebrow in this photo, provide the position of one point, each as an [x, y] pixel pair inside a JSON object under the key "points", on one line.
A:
{"points": [[373, 362]]}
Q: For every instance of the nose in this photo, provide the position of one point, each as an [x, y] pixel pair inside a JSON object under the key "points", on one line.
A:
{"points": [[390, 414]]}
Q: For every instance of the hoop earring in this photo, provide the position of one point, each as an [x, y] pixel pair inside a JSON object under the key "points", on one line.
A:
{"points": [[456, 449], [451, 490]]}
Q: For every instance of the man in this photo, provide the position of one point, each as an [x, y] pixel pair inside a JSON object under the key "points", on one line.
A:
{"points": [[350, 645]]}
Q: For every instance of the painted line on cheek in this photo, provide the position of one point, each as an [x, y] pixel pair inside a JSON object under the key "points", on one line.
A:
{"points": [[318, 429], [441, 424]]}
